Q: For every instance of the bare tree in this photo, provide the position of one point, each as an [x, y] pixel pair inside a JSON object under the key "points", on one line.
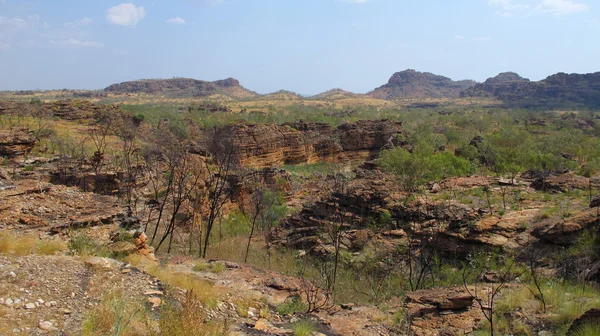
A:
{"points": [[219, 189], [487, 302], [185, 179], [533, 257], [257, 206]]}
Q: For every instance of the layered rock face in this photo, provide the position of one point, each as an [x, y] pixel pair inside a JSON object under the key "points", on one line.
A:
{"points": [[64, 109], [443, 311], [15, 141], [559, 90], [415, 84], [260, 146]]}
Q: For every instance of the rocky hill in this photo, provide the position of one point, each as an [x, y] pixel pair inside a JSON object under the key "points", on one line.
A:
{"points": [[557, 91], [415, 84], [183, 87]]}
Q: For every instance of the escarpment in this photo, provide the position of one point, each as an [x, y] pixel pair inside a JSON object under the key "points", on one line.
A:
{"points": [[259, 146]]}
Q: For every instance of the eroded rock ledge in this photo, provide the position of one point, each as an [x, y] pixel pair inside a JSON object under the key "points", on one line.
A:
{"points": [[259, 146]]}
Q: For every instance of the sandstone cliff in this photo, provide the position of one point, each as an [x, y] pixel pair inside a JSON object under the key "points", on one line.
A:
{"points": [[265, 145]]}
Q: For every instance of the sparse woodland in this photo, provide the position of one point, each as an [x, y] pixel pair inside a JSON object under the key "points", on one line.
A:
{"points": [[472, 218]]}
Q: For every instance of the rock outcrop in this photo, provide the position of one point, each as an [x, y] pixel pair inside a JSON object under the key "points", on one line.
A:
{"points": [[566, 231], [68, 109], [560, 90], [415, 84], [442, 311], [32, 204], [15, 141], [264, 145], [181, 87], [553, 182]]}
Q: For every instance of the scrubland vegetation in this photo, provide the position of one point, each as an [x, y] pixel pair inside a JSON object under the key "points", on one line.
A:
{"points": [[188, 208]]}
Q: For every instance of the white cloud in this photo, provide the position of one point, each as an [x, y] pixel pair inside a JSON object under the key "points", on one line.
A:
{"points": [[125, 14], [79, 23], [9, 28], [176, 20], [508, 5], [554, 7], [77, 43], [459, 37], [11, 24], [561, 7]]}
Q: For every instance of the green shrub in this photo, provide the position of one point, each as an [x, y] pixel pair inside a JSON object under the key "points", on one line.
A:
{"points": [[293, 306], [303, 328], [587, 330]]}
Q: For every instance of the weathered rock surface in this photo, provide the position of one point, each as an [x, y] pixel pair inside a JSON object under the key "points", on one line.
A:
{"points": [[450, 310], [566, 231], [364, 200], [69, 109], [415, 84], [560, 182], [15, 141], [260, 146], [32, 204]]}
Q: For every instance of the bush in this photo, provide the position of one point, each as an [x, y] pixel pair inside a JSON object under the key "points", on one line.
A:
{"points": [[303, 328], [293, 306], [82, 245], [188, 317], [114, 316], [587, 330]]}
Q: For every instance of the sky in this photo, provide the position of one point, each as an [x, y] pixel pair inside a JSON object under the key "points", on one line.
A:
{"points": [[305, 46]]}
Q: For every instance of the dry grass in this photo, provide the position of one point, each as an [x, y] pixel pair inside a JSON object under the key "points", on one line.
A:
{"points": [[203, 290], [13, 244], [187, 319], [116, 315]]}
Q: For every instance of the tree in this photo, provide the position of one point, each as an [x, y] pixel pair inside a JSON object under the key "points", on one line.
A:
{"points": [[219, 189], [475, 269]]}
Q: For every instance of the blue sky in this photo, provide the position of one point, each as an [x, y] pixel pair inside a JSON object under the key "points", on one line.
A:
{"points": [[306, 46]]}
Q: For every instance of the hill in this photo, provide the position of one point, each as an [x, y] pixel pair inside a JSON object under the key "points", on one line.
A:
{"points": [[183, 87], [415, 84], [335, 94], [560, 90], [281, 95]]}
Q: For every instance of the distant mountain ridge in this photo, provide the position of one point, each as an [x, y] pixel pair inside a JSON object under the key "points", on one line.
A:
{"points": [[560, 90], [414, 84], [183, 87]]}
